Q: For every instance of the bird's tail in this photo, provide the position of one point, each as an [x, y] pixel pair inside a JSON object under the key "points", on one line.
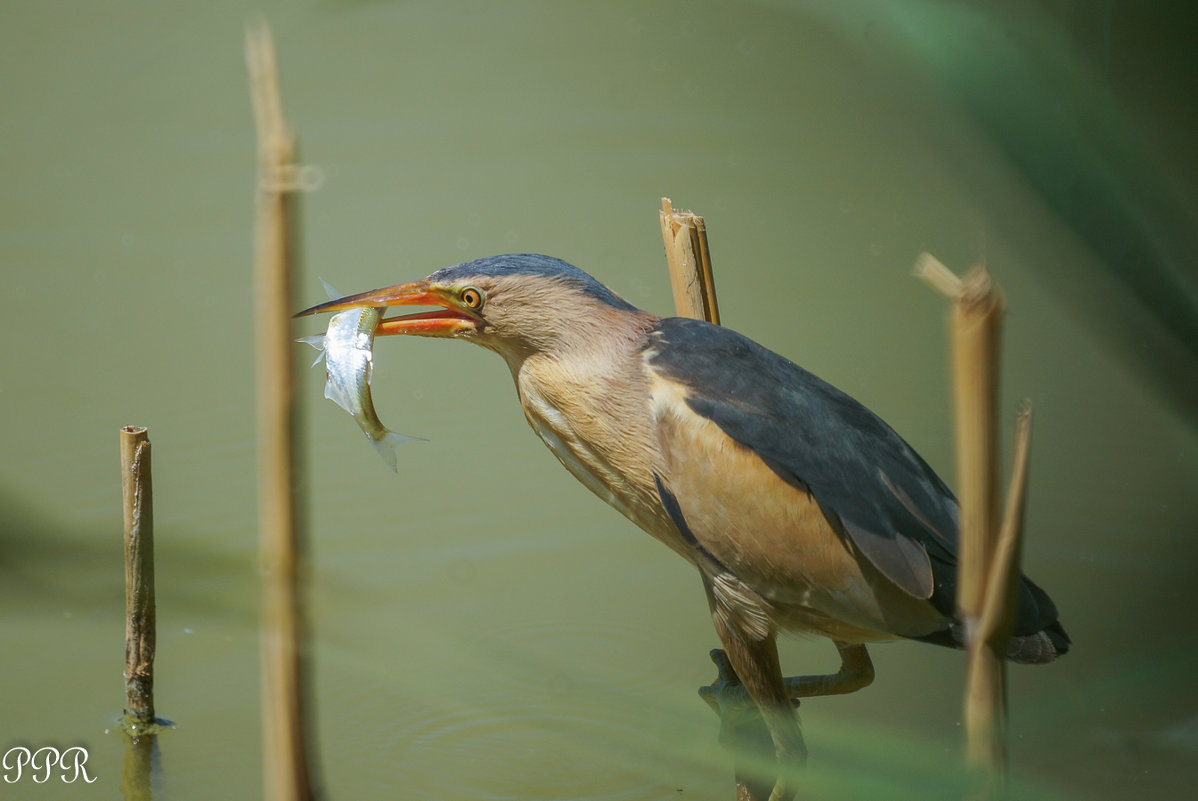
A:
{"points": [[1036, 648], [1043, 646]]}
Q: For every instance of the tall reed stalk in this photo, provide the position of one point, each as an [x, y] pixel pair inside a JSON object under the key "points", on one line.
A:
{"points": [[287, 774], [684, 235], [988, 567]]}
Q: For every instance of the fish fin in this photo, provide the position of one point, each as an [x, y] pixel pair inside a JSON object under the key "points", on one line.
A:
{"points": [[332, 293], [316, 342], [388, 445], [330, 392]]}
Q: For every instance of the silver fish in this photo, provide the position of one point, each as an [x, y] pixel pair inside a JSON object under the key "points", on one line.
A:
{"points": [[347, 350]]}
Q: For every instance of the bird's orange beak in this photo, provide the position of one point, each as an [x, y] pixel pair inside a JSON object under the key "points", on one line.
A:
{"points": [[450, 320]]}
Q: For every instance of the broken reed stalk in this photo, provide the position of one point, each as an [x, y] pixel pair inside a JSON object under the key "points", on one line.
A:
{"points": [[685, 238], [138, 722], [286, 775], [1004, 567], [988, 568], [140, 636], [684, 235]]}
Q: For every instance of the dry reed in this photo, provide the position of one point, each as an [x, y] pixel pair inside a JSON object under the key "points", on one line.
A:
{"points": [[137, 490], [138, 723], [684, 236], [286, 774], [988, 569]]}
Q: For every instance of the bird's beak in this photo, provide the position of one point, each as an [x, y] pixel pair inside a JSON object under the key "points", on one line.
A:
{"points": [[450, 320]]}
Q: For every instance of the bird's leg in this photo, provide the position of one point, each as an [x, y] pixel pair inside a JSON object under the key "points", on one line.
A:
{"points": [[742, 727], [856, 671], [742, 730], [755, 662]]}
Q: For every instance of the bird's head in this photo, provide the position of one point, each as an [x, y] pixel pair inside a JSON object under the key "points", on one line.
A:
{"points": [[516, 305]]}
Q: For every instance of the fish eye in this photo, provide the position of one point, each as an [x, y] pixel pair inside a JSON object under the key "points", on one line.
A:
{"points": [[472, 298]]}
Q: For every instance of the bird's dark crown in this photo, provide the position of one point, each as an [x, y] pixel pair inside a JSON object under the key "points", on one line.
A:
{"points": [[535, 265]]}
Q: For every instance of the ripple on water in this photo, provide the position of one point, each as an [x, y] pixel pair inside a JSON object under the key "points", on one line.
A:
{"points": [[535, 710], [560, 656], [528, 752]]}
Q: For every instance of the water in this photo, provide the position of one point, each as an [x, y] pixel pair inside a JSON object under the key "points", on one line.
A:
{"points": [[483, 627]]}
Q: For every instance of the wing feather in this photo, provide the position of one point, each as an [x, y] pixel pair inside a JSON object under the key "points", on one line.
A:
{"points": [[866, 479], [812, 435]]}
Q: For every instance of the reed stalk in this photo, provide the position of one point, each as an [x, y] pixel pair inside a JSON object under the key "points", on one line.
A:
{"points": [[286, 773], [684, 235], [985, 683], [988, 567], [138, 723], [137, 490]]}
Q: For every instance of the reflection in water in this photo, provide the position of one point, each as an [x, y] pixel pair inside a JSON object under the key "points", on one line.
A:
{"points": [[142, 767]]}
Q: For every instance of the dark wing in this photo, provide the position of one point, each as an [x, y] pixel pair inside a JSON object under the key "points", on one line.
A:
{"points": [[865, 477]]}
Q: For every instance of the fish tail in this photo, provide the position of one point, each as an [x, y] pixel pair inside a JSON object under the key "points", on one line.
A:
{"points": [[388, 445]]}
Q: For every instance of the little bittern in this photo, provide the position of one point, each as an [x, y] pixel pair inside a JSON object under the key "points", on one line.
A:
{"points": [[801, 509]]}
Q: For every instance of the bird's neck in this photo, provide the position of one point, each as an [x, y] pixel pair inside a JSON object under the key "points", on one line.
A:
{"points": [[589, 405]]}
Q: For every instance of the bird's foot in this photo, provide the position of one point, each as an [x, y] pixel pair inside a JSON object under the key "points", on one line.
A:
{"points": [[856, 672], [740, 719], [743, 731]]}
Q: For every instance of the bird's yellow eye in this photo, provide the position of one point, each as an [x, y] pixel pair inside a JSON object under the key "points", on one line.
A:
{"points": [[472, 298]]}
